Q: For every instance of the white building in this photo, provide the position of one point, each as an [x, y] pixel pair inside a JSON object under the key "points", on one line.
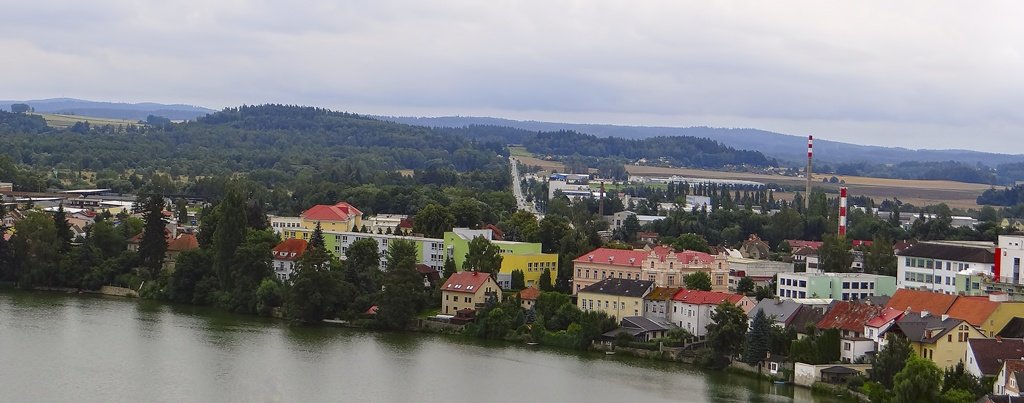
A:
{"points": [[692, 309], [279, 223], [933, 265], [432, 249], [383, 222], [1008, 258], [618, 219]]}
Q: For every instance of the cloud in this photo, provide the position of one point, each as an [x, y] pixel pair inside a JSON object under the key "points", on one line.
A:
{"points": [[915, 74]]}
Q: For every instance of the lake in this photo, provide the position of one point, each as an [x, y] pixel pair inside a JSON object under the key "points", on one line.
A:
{"points": [[59, 347]]}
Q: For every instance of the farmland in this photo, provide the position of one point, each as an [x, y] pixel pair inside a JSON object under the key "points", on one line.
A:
{"points": [[65, 121]]}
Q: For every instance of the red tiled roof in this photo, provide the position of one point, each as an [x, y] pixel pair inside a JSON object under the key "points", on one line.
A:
{"points": [[619, 257], [496, 233], [405, 223], [796, 243], [529, 294], [465, 281], [919, 301], [184, 242], [698, 297], [338, 212], [887, 315], [848, 315], [424, 269], [290, 249], [974, 310]]}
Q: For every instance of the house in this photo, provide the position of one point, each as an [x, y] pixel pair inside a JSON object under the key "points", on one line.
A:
{"points": [[617, 297], [849, 318], [468, 290], [286, 256], [990, 314], [841, 286], [658, 303], [640, 328], [184, 242], [781, 311], [662, 265], [838, 374], [933, 265], [875, 327], [528, 297], [985, 357], [1014, 329], [755, 248], [431, 277], [1009, 379], [940, 339], [340, 217], [921, 301], [692, 309]]}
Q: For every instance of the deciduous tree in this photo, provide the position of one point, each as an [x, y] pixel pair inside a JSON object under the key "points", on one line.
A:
{"points": [[483, 256], [698, 281]]}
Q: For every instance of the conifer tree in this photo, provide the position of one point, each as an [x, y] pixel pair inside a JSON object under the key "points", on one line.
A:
{"points": [[153, 245], [229, 234], [64, 235], [545, 281], [758, 339], [316, 240]]}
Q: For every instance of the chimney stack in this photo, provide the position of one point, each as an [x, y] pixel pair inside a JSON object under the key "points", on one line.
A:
{"points": [[842, 211], [810, 156]]}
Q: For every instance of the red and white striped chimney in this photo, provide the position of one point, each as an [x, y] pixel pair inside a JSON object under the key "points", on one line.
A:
{"points": [[842, 211], [810, 147]]}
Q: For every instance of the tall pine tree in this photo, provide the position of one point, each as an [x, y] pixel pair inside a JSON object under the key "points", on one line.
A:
{"points": [[64, 234], [758, 339], [229, 234], [153, 245]]}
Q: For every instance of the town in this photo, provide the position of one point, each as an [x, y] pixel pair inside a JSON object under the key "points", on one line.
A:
{"points": [[837, 312]]}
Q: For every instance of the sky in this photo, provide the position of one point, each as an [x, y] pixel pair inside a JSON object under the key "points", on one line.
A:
{"points": [[916, 74]]}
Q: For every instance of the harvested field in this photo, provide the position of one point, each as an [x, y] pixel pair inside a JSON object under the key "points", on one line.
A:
{"points": [[916, 192], [65, 121], [549, 166]]}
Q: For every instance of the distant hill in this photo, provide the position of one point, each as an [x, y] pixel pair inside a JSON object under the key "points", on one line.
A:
{"points": [[784, 147], [112, 110]]}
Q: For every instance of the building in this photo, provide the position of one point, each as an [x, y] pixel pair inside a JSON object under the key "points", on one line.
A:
{"points": [[431, 276], [849, 318], [642, 329], [340, 217], [985, 356], [429, 251], [661, 265], [617, 297], [990, 314], [533, 265], [940, 339], [528, 297], [840, 286], [184, 242], [780, 311], [286, 257], [385, 223], [573, 186], [934, 265], [876, 327], [285, 226], [456, 244], [692, 309], [762, 272], [468, 290], [658, 303], [1009, 379]]}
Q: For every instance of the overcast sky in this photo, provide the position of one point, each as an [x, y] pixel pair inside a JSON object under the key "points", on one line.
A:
{"points": [[923, 74]]}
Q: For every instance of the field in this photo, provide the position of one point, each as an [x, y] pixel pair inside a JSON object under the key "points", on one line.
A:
{"points": [[519, 151], [65, 121], [916, 192], [548, 166]]}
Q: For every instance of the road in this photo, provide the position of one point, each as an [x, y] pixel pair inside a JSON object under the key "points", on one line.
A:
{"points": [[517, 190]]}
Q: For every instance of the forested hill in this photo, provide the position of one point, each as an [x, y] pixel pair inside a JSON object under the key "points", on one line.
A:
{"points": [[112, 110], [785, 147]]}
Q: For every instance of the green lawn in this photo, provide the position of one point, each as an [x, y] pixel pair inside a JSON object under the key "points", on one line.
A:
{"points": [[519, 151]]}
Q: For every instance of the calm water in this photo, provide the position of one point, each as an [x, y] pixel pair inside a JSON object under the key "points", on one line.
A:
{"points": [[56, 347]]}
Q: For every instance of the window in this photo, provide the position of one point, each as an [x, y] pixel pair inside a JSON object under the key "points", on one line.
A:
{"points": [[846, 346], [803, 283], [845, 286]]}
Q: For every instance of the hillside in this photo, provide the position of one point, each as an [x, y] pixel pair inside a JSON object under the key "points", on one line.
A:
{"points": [[111, 110], [782, 146]]}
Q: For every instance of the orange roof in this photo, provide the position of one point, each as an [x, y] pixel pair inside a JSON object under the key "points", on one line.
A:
{"points": [[465, 281], [848, 315], [338, 212], [919, 301], [698, 297], [974, 310], [184, 242], [290, 249], [529, 294], [635, 257]]}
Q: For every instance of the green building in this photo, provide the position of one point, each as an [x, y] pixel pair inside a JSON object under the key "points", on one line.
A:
{"points": [[456, 244], [841, 286]]}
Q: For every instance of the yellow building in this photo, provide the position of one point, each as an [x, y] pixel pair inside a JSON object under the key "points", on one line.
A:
{"points": [[1001, 316], [531, 264], [942, 340], [468, 290], [617, 297], [341, 217]]}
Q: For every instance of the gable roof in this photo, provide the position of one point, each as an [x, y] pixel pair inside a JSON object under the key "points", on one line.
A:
{"points": [[425, 269], [989, 354], [847, 315], [805, 317], [529, 294], [887, 315], [947, 251], [975, 310], [919, 301], [466, 281], [338, 212], [621, 287], [662, 293], [1014, 328], [184, 242], [698, 297], [645, 324], [779, 310], [290, 249], [618, 257], [926, 328], [797, 243]]}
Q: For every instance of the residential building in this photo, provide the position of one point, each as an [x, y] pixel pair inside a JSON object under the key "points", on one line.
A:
{"points": [[429, 251], [876, 327], [692, 309], [528, 297], [340, 217], [840, 286], [617, 297], [658, 303], [755, 248], [849, 318], [990, 314], [431, 276], [285, 226], [184, 242], [780, 311], [940, 339], [286, 257], [1009, 254], [642, 329], [385, 223], [985, 356], [933, 265], [762, 272], [661, 265], [618, 219], [1009, 379], [468, 290]]}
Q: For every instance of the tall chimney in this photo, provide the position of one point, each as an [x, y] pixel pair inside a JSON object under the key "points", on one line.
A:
{"points": [[810, 156], [600, 202], [842, 211]]}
